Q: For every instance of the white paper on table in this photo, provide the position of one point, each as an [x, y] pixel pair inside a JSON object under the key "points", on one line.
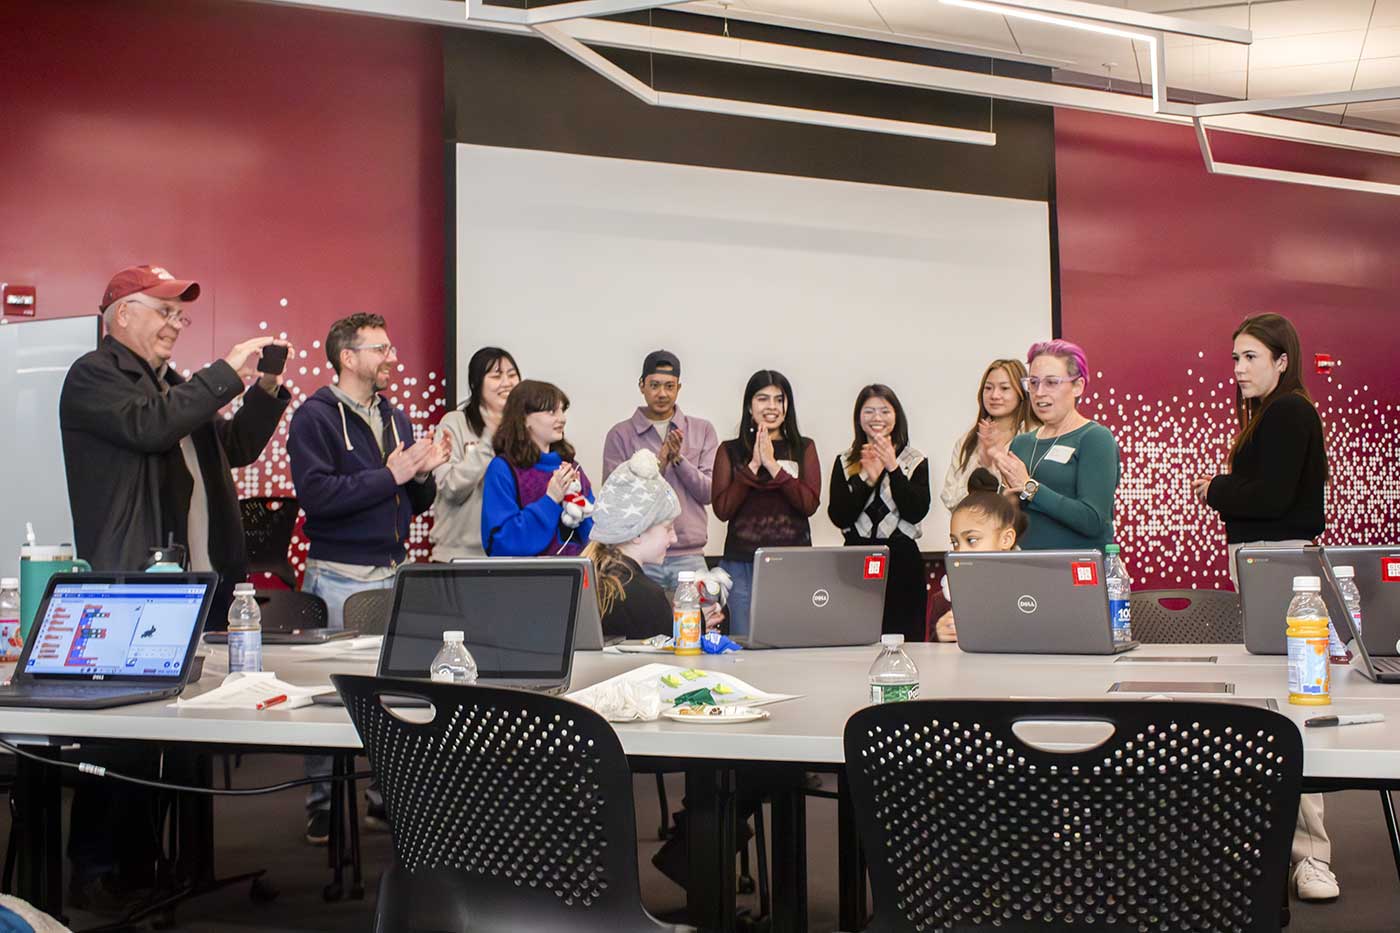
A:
{"points": [[645, 692], [246, 689], [359, 645]]}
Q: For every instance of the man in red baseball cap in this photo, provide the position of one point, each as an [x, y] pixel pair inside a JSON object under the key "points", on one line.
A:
{"points": [[148, 457]]}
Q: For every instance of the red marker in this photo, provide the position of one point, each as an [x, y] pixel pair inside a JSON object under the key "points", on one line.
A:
{"points": [[273, 701]]}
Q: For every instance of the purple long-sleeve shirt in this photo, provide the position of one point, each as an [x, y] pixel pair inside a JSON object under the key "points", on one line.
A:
{"points": [[689, 476]]}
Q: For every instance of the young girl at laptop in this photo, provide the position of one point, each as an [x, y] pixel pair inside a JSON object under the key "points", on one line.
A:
{"points": [[985, 520], [633, 527]]}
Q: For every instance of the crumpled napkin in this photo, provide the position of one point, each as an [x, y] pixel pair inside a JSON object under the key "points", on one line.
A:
{"points": [[715, 643], [623, 701]]}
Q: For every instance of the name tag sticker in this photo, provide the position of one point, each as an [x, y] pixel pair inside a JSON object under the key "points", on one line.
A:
{"points": [[875, 568], [1059, 454], [1390, 569], [1084, 572]]}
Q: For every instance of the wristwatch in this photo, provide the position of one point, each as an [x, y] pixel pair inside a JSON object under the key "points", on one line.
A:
{"points": [[1029, 490]]}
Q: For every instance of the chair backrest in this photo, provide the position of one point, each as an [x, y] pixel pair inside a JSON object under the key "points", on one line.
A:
{"points": [[520, 804], [285, 610], [1197, 617], [268, 524], [368, 611], [1180, 820]]}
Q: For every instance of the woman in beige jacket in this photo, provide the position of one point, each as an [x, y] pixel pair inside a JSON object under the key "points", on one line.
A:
{"points": [[456, 532]]}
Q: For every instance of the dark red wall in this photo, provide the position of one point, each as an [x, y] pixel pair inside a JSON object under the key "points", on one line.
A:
{"points": [[1159, 263], [268, 152]]}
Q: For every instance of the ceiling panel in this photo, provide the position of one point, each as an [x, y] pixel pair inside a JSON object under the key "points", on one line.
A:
{"points": [[1387, 14], [857, 13], [1308, 17], [1313, 49], [1378, 72], [930, 18], [1089, 51], [1304, 79], [1382, 43]]}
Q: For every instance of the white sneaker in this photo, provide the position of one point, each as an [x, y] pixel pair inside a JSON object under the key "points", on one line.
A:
{"points": [[1315, 881]]}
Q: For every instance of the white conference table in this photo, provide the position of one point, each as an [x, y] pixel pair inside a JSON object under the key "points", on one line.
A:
{"points": [[805, 731], [831, 683]]}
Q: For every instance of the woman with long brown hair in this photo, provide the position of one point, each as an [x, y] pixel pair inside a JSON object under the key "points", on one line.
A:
{"points": [[879, 492], [1273, 493], [522, 505], [1003, 411]]}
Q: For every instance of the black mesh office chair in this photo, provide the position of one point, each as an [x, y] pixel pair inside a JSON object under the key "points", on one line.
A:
{"points": [[1180, 820], [509, 811], [288, 610], [1196, 617], [367, 611], [268, 524]]}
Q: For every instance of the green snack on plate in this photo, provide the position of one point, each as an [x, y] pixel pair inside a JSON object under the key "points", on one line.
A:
{"points": [[692, 674], [721, 689], [701, 697], [670, 680]]}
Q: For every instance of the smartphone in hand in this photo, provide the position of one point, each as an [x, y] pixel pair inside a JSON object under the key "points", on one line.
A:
{"points": [[273, 359]]}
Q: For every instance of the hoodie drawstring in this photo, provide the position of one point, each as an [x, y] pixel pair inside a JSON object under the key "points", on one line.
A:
{"points": [[344, 428]]}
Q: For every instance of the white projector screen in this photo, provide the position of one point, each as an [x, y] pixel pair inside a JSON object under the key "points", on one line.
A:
{"points": [[581, 265]]}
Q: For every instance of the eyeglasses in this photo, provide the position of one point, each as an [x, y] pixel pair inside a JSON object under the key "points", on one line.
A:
{"points": [[1051, 383], [171, 313], [388, 349]]}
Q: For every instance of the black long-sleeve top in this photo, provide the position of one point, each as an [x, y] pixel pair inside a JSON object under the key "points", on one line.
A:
{"points": [[1273, 491], [848, 495]]}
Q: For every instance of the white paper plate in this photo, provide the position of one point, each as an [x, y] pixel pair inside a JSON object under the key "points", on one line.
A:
{"points": [[727, 714]]}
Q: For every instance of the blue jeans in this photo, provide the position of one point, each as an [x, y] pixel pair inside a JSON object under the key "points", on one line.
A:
{"points": [[741, 572], [666, 574], [335, 589]]}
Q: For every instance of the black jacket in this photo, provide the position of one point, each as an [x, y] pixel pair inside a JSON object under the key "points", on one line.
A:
{"points": [[1274, 490], [127, 481]]}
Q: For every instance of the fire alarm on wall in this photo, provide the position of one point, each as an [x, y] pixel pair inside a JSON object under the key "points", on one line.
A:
{"points": [[18, 300], [1325, 363]]}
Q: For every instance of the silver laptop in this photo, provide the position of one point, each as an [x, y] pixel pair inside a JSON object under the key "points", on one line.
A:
{"points": [[1379, 670], [1378, 581], [111, 639], [817, 597], [1032, 602], [518, 618], [588, 633], [1266, 587]]}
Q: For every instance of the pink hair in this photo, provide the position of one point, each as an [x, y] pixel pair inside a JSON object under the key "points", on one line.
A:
{"points": [[1071, 353]]}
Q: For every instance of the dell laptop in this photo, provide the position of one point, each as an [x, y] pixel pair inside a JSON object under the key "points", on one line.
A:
{"points": [[817, 597], [588, 633], [1377, 570], [1376, 669], [1265, 576], [111, 639], [1032, 602], [518, 618]]}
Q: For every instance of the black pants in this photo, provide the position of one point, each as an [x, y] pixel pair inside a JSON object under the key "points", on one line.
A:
{"points": [[906, 590]]}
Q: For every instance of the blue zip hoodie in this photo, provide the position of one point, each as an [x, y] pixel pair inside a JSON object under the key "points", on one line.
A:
{"points": [[355, 512]]}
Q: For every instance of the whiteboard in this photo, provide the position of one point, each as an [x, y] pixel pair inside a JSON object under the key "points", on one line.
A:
{"points": [[34, 359], [580, 265]]}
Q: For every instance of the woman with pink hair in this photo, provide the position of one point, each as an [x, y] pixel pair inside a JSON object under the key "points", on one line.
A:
{"points": [[1066, 471]]}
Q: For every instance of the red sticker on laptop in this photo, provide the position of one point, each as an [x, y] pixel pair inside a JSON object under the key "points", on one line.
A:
{"points": [[1084, 572], [875, 567], [1390, 569]]}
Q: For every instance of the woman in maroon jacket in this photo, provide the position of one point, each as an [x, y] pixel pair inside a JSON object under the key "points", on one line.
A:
{"points": [[767, 484]]}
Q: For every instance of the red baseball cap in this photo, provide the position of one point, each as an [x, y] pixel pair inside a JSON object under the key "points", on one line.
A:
{"points": [[149, 280]]}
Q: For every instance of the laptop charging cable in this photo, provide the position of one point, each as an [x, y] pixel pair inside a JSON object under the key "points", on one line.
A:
{"points": [[85, 767]]}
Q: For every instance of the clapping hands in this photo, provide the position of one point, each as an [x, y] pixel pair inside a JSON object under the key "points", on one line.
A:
{"points": [[419, 460]]}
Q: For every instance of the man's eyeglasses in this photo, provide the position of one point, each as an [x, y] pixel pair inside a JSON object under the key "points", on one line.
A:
{"points": [[388, 349], [1051, 383], [171, 313]]}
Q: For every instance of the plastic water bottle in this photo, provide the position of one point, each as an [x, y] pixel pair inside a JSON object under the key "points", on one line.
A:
{"points": [[685, 614], [1120, 594], [1309, 676], [453, 664], [1346, 582], [244, 631], [893, 676], [10, 640]]}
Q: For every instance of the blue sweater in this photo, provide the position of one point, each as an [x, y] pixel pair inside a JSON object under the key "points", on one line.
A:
{"points": [[355, 512], [512, 527]]}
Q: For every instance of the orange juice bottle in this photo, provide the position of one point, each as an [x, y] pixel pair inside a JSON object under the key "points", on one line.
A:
{"points": [[1309, 675], [686, 614]]}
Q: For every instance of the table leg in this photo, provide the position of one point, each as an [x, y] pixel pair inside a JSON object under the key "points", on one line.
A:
{"points": [[789, 840], [710, 825], [38, 824], [853, 908], [1392, 831]]}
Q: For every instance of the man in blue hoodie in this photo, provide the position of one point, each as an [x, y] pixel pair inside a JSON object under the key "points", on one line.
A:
{"points": [[360, 478]]}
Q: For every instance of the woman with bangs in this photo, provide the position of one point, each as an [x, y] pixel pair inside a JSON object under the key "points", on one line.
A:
{"points": [[878, 494], [523, 493], [1003, 411]]}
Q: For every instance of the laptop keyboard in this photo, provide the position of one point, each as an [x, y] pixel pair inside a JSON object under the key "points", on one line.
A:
{"points": [[1386, 665]]}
